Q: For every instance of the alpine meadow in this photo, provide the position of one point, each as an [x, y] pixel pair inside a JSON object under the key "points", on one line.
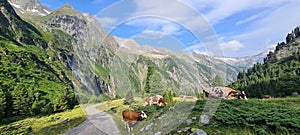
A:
{"points": [[70, 67]]}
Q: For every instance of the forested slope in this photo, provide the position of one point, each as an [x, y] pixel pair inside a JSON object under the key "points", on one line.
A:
{"points": [[279, 75]]}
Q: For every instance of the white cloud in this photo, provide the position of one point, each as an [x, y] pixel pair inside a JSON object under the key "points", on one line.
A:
{"points": [[107, 21], [273, 19], [251, 18], [218, 10], [156, 24], [231, 46], [273, 27]]}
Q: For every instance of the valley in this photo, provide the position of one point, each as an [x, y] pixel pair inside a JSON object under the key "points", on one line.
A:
{"points": [[57, 67]]}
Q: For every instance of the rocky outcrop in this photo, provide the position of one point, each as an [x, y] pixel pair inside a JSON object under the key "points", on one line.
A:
{"points": [[33, 7], [93, 47]]}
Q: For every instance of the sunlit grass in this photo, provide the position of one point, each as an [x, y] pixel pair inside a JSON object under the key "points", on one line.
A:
{"points": [[46, 125]]}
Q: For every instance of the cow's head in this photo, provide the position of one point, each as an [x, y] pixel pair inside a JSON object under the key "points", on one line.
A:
{"points": [[242, 95], [142, 115]]}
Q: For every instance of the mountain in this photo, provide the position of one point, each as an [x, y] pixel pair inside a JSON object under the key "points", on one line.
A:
{"points": [[34, 71], [182, 72], [30, 7], [105, 65], [248, 61], [279, 74], [93, 49]]}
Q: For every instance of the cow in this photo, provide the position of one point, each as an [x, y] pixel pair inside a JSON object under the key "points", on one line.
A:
{"points": [[224, 93], [267, 97], [131, 117], [155, 100]]}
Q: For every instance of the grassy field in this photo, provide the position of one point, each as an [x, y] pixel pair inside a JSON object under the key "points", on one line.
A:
{"points": [[240, 117], [45, 125]]}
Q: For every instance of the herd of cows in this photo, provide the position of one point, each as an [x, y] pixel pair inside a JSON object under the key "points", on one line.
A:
{"points": [[131, 117]]}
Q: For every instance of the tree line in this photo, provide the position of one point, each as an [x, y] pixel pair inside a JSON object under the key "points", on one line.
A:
{"points": [[277, 76]]}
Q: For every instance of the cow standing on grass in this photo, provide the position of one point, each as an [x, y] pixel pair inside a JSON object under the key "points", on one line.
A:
{"points": [[131, 117], [155, 100], [224, 93], [267, 97]]}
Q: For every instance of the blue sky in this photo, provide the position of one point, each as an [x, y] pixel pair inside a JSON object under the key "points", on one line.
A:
{"points": [[232, 28]]}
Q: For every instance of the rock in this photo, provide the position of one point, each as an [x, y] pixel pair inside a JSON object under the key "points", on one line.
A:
{"points": [[199, 132], [67, 119], [158, 133], [295, 93], [194, 118], [142, 129], [149, 126], [55, 118], [171, 108], [204, 119], [186, 129], [188, 121]]}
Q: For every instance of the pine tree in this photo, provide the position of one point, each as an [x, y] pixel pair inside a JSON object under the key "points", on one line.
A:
{"points": [[168, 96], [156, 84], [2, 103], [153, 82], [129, 98], [217, 81]]}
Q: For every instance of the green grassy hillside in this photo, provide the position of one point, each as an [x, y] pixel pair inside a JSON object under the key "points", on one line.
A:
{"points": [[35, 77], [237, 117]]}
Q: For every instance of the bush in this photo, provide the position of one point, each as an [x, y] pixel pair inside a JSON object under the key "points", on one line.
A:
{"points": [[260, 117]]}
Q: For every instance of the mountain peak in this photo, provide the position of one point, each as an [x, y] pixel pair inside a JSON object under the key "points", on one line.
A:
{"points": [[30, 6], [67, 9], [68, 5]]}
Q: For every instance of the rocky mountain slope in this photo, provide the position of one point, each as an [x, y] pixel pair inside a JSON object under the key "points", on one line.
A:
{"points": [[111, 66], [248, 61], [183, 72], [30, 7]]}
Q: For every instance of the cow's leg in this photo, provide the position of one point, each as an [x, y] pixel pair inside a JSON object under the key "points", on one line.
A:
{"points": [[128, 126], [146, 103]]}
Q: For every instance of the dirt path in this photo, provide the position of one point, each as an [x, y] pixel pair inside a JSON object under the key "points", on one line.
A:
{"points": [[97, 123]]}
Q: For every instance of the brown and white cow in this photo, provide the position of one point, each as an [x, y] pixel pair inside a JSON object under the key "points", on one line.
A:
{"points": [[155, 100], [224, 93], [267, 97], [131, 117]]}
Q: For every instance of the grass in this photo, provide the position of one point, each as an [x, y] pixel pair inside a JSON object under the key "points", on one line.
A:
{"points": [[46, 125], [116, 107], [293, 102], [261, 115]]}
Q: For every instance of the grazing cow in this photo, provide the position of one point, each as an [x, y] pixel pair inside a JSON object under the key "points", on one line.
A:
{"points": [[131, 117], [155, 100], [224, 93], [267, 97]]}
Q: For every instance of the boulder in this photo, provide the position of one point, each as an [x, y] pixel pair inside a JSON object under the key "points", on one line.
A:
{"points": [[188, 121], [204, 119], [199, 132]]}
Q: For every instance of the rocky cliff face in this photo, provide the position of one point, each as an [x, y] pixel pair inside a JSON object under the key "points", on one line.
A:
{"points": [[91, 48], [33, 7]]}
